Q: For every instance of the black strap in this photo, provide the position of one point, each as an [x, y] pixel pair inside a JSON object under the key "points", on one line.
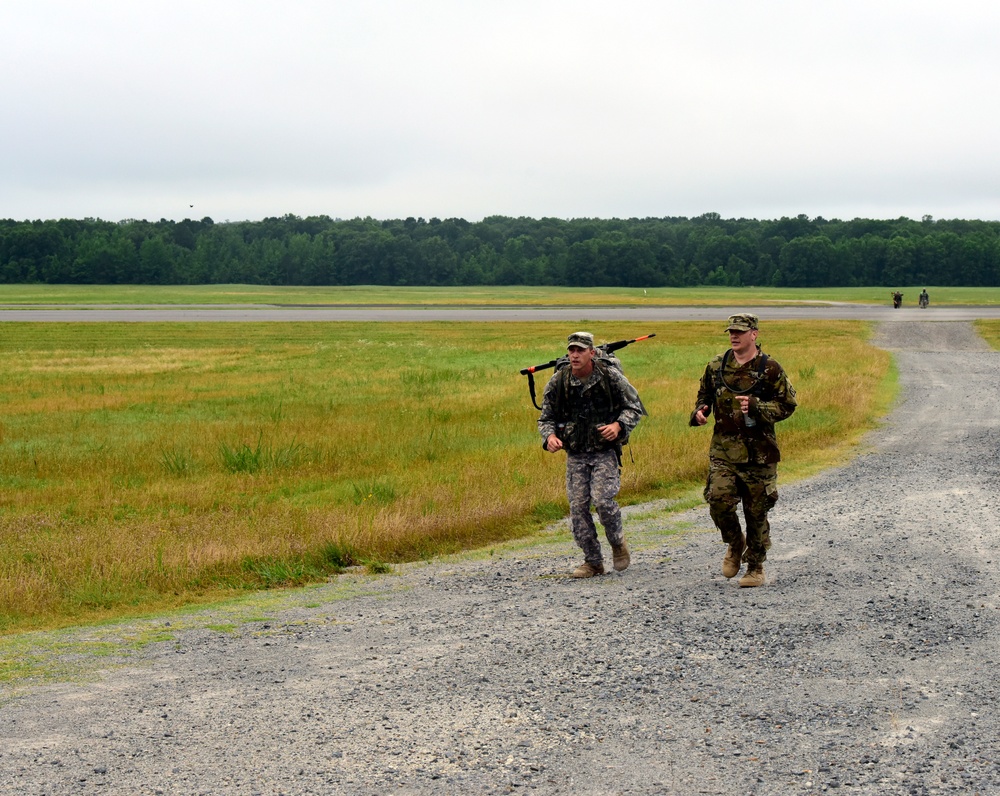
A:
{"points": [[720, 379], [531, 389]]}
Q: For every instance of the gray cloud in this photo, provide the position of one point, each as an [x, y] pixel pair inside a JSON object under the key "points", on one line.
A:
{"points": [[445, 108]]}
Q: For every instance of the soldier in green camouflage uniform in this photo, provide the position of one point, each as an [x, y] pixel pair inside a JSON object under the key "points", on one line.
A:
{"points": [[748, 392], [589, 410]]}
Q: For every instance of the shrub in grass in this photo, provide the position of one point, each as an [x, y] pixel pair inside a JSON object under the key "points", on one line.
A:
{"points": [[242, 458], [271, 571], [373, 492], [336, 557], [175, 462]]}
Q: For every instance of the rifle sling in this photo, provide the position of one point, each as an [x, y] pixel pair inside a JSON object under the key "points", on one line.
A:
{"points": [[531, 389]]}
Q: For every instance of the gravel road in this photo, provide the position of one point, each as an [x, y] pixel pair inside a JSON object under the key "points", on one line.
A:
{"points": [[866, 664]]}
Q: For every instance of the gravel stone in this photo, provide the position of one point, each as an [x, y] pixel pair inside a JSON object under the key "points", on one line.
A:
{"points": [[865, 665]]}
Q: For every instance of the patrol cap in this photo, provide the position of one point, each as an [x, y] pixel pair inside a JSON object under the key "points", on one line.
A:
{"points": [[743, 322], [580, 340]]}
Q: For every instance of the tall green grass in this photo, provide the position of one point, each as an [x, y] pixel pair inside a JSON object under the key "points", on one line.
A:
{"points": [[148, 465]]}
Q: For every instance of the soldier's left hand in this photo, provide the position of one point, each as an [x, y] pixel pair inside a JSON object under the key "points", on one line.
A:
{"points": [[611, 431]]}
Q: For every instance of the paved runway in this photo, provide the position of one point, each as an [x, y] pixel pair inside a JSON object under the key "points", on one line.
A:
{"points": [[415, 313]]}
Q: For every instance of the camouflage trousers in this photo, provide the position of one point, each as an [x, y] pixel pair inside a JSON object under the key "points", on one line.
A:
{"points": [[753, 485], [594, 478]]}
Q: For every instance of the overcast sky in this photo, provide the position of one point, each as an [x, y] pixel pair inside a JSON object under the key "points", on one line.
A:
{"points": [[469, 108]]}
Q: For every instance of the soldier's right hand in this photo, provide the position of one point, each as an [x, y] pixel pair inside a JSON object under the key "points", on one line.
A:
{"points": [[553, 443], [701, 416]]}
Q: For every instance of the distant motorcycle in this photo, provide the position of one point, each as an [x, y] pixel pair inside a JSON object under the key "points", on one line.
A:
{"points": [[897, 300]]}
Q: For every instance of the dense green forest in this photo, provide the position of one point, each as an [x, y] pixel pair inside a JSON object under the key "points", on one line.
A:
{"points": [[588, 252]]}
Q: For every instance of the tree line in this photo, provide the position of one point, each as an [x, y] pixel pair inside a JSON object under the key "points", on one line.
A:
{"points": [[501, 250]]}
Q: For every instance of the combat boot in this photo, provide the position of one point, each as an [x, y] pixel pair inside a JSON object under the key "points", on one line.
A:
{"points": [[754, 577], [586, 570], [733, 558], [621, 557]]}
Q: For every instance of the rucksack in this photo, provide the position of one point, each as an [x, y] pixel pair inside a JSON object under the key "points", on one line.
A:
{"points": [[603, 363]]}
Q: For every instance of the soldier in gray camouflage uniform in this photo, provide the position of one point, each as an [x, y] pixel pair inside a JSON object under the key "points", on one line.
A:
{"points": [[748, 392], [589, 410]]}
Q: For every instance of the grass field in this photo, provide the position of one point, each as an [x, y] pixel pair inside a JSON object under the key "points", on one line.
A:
{"points": [[989, 330], [144, 466], [13, 295]]}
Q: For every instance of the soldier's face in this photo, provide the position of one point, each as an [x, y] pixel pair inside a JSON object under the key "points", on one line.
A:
{"points": [[743, 342], [580, 360]]}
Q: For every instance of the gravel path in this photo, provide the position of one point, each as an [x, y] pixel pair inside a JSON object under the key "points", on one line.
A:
{"points": [[864, 666]]}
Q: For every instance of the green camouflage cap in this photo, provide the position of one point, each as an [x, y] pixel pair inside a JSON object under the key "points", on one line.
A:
{"points": [[743, 322], [580, 340]]}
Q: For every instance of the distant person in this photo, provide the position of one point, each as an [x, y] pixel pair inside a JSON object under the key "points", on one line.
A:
{"points": [[748, 392], [589, 410], [897, 300], [924, 299]]}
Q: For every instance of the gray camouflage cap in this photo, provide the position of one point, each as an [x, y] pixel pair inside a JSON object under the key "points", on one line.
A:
{"points": [[580, 340], [743, 322]]}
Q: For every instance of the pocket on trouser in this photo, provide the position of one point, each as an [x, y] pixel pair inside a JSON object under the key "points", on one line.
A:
{"points": [[721, 486], [770, 496]]}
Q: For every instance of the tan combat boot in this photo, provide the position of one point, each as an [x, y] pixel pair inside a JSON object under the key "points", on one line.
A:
{"points": [[621, 557], [733, 558], [586, 570], [754, 577]]}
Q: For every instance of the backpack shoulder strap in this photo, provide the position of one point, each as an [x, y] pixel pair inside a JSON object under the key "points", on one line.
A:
{"points": [[762, 366], [761, 386], [719, 382]]}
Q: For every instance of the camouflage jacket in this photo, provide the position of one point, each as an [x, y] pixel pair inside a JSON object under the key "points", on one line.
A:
{"points": [[772, 399], [572, 409]]}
